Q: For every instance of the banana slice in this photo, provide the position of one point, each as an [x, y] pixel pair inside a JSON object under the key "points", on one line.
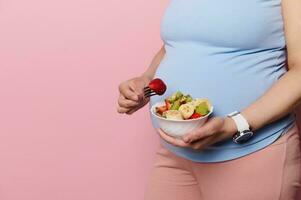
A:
{"points": [[186, 110], [173, 114], [191, 103]]}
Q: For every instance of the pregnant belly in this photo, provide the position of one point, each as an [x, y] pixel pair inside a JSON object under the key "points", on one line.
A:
{"points": [[228, 83]]}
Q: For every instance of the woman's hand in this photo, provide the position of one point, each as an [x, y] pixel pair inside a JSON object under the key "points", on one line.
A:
{"points": [[131, 96], [214, 130]]}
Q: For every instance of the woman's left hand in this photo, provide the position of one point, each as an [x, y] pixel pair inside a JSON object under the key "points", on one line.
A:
{"points": [[214, 130]]}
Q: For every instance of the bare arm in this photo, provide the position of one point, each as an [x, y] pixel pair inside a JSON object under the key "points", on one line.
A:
{"points": [[285, 94], [151, 70]]}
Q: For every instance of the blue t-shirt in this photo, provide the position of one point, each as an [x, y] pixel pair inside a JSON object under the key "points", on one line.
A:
{"points": [[231, 52]]}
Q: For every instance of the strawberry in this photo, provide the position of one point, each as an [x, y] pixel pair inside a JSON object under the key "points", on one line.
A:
{"points": [[161, 109], [167, 104], [195, 115], [158, 86]]}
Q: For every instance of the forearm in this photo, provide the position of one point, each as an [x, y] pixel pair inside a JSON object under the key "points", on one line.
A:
{"points": [[285, 94], [151, 70], [278, 101]]}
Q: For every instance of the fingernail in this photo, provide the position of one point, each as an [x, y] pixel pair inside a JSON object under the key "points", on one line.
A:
{"points": [[186, 139], [136, 98]]}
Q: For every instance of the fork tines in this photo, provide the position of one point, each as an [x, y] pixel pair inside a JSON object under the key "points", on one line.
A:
{"points": [[148, 92], [146, 89]]}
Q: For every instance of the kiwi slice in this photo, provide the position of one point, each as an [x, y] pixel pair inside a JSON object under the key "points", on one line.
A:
{"points": [[189, 98], [186, 99], [175, 105], [202, 109], [177, 95]]}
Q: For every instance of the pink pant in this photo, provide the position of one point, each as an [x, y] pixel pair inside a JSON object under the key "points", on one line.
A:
{"points": [[272, 173]]}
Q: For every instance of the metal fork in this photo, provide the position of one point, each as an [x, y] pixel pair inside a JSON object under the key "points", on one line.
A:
{"points": [[147, 92]]}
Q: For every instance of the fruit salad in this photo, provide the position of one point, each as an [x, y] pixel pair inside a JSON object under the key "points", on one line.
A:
{"points": [[183, 107]]}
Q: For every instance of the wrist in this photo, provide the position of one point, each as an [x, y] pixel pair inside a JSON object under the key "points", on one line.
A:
{"points": [[148, 77], [229, 127]]}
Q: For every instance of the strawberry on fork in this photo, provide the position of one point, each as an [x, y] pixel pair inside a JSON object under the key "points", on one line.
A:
{"points": [[155, 87]]}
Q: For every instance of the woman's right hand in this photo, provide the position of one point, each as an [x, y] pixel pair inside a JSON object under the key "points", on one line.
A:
{"points": [[131, 96]]}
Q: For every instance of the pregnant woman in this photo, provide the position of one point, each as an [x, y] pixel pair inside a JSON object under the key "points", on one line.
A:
{"points": [[245, 57]]}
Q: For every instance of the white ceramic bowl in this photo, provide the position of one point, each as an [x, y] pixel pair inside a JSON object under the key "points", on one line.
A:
{"points": [[178, 128]]}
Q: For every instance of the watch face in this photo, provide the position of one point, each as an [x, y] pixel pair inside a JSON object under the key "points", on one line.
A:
{"points": [[243, 136]]}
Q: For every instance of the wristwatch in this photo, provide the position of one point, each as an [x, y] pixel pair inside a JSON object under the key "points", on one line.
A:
{"points": [[244, 132]]}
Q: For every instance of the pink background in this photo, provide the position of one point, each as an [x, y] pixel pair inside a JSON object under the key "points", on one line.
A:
{"points": [[60, 64]]}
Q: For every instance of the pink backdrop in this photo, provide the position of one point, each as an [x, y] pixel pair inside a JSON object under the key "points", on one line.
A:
{"points": [[60, 64]]}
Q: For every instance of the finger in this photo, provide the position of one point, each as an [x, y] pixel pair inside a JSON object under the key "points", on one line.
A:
{"points": [[172, 140], [131, 111], [137, 91], [207, 130], [123, 102], [122, 109], [201, 144], [125, 90], [140, 105]]}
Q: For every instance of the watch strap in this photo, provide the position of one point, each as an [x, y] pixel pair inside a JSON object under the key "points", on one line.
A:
{"points": [[240, 121]]}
